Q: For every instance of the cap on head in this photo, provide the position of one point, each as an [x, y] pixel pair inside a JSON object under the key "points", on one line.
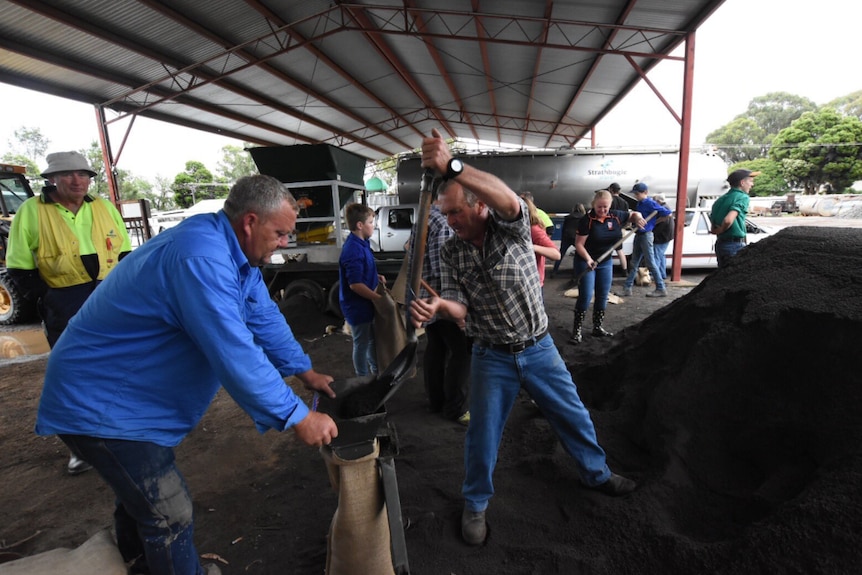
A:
{"points": [[737, 176], [660, 199], [640, 188], [67, 162], [614, 188]]}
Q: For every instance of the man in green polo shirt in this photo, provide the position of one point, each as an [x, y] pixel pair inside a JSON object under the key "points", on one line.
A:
{"points": [[728, 216]]}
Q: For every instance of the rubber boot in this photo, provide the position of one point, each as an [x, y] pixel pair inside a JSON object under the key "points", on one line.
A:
{"points": [[598, 320], [576, 330]]}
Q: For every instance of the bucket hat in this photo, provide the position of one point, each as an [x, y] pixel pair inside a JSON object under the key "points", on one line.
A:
{"points": [[67, 162]]}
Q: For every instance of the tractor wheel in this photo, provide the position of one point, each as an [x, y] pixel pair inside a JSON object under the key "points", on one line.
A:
{"points": [[13, 307]]}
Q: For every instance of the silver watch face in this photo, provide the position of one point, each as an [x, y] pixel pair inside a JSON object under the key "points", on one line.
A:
{"points": [[456, 165]]}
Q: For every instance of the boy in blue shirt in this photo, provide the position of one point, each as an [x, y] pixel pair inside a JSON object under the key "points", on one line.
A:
{"points": [[358, 279]]}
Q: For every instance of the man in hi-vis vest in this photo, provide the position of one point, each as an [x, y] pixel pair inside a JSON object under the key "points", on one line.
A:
{"points": [[62, 244]]}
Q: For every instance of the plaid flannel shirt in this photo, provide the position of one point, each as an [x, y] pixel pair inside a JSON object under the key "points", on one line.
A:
{"points": [[499, 284]]}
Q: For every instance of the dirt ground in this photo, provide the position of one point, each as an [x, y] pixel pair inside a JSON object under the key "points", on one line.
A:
{"points": [[734, 404]]}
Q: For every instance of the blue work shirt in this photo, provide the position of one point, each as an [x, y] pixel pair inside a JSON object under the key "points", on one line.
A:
{"points": [[178, 317], [356, 265], [647, 206]]}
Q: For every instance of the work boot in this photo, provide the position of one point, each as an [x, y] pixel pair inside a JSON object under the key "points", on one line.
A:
{"points": [[627, 291], [77, 465], [598, 320], [615, 486], [657, 293], [576, 330], [473, 527]]}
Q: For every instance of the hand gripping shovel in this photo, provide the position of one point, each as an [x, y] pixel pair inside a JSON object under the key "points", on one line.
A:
{"points": [[382, 387], [610, 251]]}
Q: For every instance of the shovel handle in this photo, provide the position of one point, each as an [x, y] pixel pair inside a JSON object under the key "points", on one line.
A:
{"points": [[428, 288], [615, 247]]}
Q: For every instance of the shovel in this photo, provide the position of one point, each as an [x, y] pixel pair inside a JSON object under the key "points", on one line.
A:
{"points": [[610, 251], [381, 388]]}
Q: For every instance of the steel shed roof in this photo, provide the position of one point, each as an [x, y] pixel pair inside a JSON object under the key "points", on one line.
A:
{"points": [[369, 77]]}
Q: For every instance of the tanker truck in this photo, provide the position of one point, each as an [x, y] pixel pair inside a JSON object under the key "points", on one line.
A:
{"points": [[561, 179]]}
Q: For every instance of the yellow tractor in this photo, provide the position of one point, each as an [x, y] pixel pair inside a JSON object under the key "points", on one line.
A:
{"points": [[14, 189]]}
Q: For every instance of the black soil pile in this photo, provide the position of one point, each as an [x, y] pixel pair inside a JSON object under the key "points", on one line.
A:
{"points": [[737, 408], [742, 402]]}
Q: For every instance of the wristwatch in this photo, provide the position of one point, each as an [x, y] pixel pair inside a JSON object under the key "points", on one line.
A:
{"points": [[454, 168]]}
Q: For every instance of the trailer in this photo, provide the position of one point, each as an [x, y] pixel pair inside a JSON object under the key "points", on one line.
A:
{"points": [[324, 180], [559, 180]]}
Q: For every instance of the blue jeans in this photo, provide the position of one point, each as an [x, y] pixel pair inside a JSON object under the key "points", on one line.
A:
{"points": [[643, 251], [364, 350], [153, 516], [496, 378], [726, 250], [596, 282], [659, 253]]}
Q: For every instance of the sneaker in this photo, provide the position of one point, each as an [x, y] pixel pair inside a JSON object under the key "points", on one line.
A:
{"points": [[473, 527], [77, 465], [211, 569], [464, 419], [657, 293], [627, 291], [615, 486]]}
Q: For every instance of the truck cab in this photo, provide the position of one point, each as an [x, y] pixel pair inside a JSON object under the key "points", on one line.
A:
{"points": [[394, 225], [698, 245]]}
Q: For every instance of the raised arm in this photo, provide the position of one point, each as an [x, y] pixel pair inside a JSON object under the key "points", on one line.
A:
{"points": [[490, 189]]}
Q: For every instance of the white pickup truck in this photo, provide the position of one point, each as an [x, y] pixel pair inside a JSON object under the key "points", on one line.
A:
{"points": [[394, 224], [698, 245]]}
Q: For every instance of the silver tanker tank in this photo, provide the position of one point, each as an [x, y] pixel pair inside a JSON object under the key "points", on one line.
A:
{"points": [[561, 179]]}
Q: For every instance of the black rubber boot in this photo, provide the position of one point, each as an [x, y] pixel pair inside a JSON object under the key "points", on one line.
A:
{"points": [[576, 330], [598, 319]]}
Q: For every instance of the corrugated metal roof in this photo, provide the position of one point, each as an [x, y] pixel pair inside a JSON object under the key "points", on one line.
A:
{"points": [[370, 77]]}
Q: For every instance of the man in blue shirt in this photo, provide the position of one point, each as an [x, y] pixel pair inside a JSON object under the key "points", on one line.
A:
{"points": [[137, 367], [643, 244]]}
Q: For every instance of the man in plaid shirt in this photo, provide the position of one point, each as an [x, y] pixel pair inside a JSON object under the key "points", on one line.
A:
{"points": [[489, 279]]}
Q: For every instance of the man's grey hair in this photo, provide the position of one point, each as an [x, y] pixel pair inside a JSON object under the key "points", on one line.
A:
{"points": [[469, 197], [262, 195]]}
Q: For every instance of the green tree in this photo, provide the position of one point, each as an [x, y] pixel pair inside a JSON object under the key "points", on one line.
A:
{"points": [[820, 149], [770, 181], [163, 195], [30, 142], [188, 183], [100, 181], [235, 163], [739, 141], [28, 149], [749, 135], [849, 105]]}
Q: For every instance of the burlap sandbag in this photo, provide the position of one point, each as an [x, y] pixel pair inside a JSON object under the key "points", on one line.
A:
{"points": [[97, 555], [643, 278], [358, 542], [390, 332]]}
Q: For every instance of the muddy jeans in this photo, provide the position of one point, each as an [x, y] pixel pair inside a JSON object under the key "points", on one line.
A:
{"points": [[153, 515]]}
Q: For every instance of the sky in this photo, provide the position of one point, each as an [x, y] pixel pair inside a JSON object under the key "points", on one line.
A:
{"points": [[746, 49]]}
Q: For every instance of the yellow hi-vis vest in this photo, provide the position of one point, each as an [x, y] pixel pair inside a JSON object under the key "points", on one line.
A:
{"points": [[59, 252]]}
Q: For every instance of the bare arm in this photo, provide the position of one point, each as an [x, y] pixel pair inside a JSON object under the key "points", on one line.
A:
{"points": [[581, 250], [725, 224], [363, 290], [548, 252], [490, 189], [422, 310]]}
